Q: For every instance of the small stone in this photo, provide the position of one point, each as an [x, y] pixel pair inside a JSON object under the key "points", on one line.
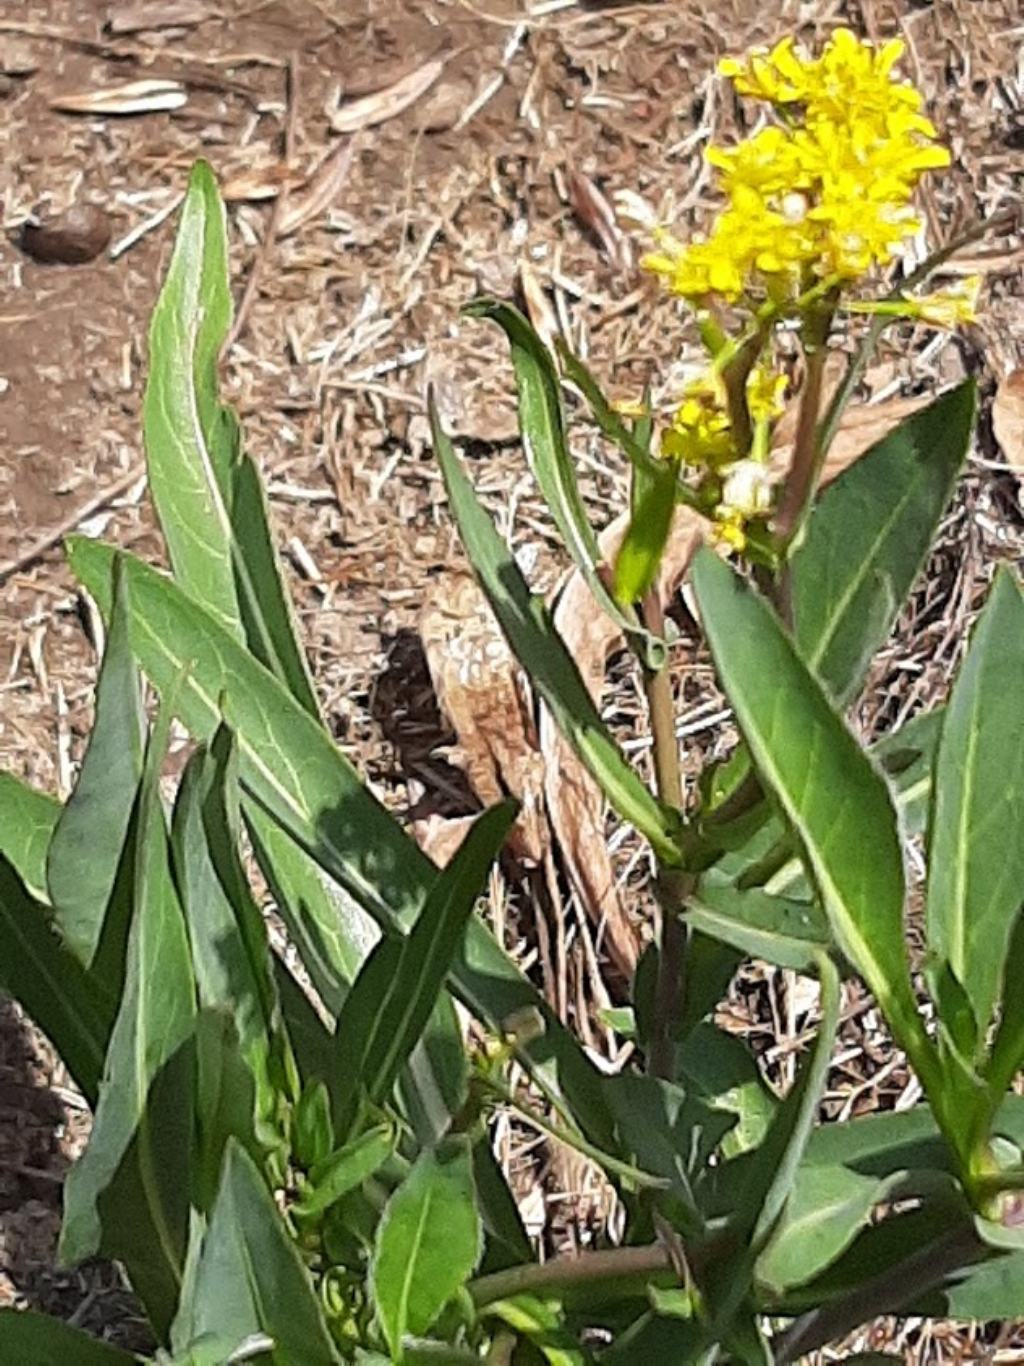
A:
{"points": [[70, 238]]}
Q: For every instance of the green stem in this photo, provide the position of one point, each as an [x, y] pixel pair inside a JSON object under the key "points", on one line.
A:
{"points": [[808, 452], [638, 1178], [589, 1268]]}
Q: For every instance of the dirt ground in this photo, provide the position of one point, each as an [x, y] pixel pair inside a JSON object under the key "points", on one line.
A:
{"points": [[478, 185]]}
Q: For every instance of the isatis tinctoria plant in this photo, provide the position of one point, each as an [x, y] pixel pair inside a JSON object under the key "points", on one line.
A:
{"points": [[291, 1146]]}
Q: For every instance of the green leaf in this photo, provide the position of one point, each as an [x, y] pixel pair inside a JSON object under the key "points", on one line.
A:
{"points": [[428, 1242], [345, 1169], [434, 1084], [90, 855], [826, 1210], [289, 767], [828, 788], [250, 1279], [717, 1067], [636, 565], [331, 931], [788, 933], [393, 997], [226, 1105], [128, 1195], [309, 1037], [868, 538], [543, 430], [542, 1324], [32, 1339], [66, 1003], [190, 439], [27, 822], [527, 624], [976, 840], [761, 1196]]}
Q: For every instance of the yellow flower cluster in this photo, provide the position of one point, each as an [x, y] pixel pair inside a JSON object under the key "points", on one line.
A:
{"points": [[823, 197]]}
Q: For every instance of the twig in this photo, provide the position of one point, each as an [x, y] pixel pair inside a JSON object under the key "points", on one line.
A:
{"points": [[50, 538], [277, 213]]}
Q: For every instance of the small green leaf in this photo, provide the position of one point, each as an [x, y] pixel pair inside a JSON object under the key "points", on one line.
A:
{"points": [[428, 1242], [868, 538], [65, 1001], [527, 624], [191, 440], [836, 800], [31, 1339], [826, 1210], [639, 557], [312, 1133], [86, 867], [250, 1279], [128, 1195], [541, 1323], [345, 1169], [717, 1067], [543, 430], [790, 934], [392, 999], [27, 822], [976, 840]]}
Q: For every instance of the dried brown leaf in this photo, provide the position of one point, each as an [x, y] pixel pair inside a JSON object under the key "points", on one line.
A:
{"points": [[598, 216], [385, 104], [257, 183], [1008, 418], [133, 97], [538, 306], [482, 693], [319, 191]]}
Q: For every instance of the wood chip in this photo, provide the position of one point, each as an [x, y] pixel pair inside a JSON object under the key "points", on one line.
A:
{"points": [[385, 104], [133, 17], [133, 97], [1008, 418]]}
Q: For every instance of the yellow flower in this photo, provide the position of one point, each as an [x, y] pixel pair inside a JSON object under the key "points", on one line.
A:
{"points": [[701, 435], [950, 307], [765, 393], [729, 530]]}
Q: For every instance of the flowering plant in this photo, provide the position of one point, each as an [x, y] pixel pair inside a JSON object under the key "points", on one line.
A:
{"points": [[292, 1142]]}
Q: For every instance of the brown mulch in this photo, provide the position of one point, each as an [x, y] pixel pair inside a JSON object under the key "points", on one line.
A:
{"points": [[474, 187]]}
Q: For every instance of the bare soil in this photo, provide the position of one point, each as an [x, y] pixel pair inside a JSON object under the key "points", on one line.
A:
{"points": [[469, 189]]}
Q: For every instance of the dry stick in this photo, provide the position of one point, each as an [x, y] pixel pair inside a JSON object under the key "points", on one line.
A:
{"points": [[276, 213], [672, 881], [50, 538]]}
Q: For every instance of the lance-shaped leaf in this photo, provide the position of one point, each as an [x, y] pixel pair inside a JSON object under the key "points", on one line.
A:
{"points": [[67, 1003], [128, 1195], [868, 538], [88, 865], [772, 928], [542, 425], [249, 1281], [392, 999], [832, 794], [290, 768], [190, 439], [531, 634], [976, 840], [428, 1242], [652, 507], [27, 822]]}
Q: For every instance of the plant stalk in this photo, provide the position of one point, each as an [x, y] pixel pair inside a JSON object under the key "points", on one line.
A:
{"points": [[561, 1273], [673, 883]]}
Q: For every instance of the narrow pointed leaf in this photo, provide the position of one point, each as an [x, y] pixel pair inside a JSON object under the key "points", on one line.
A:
{"points": [[531, 634], [832, 794], [788, 933], [542, 425], [393, 997], [65, 1002], [428, 1242], [346, 1169], [250, 1280], [190, 439], [976, 842], [90, 846], [639, 557], [128, 1195], [289, 767], [868, 538], [27, 822]]}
